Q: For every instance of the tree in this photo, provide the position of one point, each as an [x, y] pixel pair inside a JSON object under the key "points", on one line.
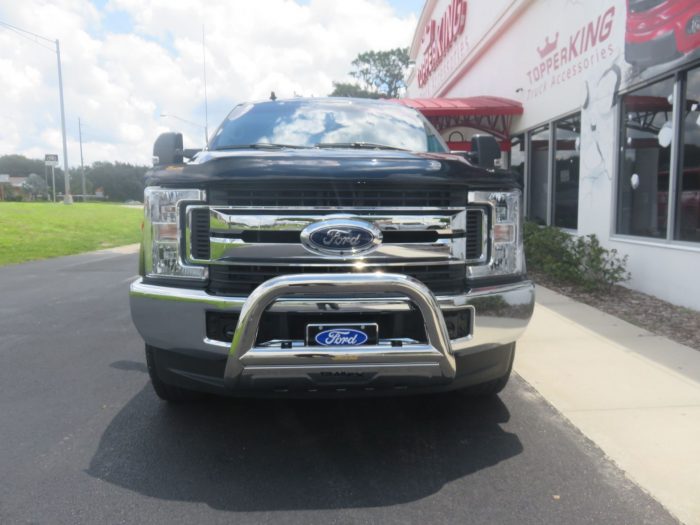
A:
{"points": [[382, 71], [120, 181], [380, 74], [35, 186], [345, 89], [20, 166]]}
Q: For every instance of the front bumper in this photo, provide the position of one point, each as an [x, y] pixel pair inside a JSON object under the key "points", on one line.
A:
{"points": [[173, 320]]}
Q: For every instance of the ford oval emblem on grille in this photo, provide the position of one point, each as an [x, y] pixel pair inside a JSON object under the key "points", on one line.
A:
{"points": [[341, 237]]}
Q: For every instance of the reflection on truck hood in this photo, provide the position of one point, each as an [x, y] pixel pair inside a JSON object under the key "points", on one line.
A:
{"points": [[310, 165]]}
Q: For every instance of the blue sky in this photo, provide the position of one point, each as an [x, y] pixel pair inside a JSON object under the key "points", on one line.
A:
{"points": [[407, 7], [120, 22]]}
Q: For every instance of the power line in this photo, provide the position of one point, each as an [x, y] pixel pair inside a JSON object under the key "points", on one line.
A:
{"points": [[31, 36], [19, 29]]}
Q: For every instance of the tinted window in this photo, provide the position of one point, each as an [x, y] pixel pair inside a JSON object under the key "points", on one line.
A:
{"points": [[646, 135], [307, 122], [688, 204], [567, 133], [539, 174]]}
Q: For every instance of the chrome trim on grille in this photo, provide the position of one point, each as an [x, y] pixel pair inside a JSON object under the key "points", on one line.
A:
{"points": [[489, 218], [228, 226], [484, 236], [408, 220]]}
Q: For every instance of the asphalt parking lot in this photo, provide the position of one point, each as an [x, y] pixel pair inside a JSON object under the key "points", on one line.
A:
{"points": [[85, 440]]}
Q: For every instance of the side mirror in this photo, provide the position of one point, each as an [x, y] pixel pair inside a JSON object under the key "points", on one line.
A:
{"points": [[471, 156], [486, 149], [167, 149], [189, 153]]}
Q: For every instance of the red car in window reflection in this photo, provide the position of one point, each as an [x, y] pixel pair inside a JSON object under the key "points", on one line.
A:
{"points": [[661, 30]]}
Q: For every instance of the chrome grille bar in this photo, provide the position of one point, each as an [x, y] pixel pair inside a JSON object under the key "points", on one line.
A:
{"points": [[244, 236]]}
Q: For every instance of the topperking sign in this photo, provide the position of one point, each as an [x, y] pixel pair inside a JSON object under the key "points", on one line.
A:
{"points": [[438, 37]]}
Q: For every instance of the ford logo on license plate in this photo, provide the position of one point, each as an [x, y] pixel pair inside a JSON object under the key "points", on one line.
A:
{"points": [[341, 335]]}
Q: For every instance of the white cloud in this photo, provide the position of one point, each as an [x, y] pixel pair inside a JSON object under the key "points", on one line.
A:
{"points": [[119, 84]]}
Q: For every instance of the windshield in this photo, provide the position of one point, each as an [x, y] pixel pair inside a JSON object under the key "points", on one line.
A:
{"points": [[342, 123]]}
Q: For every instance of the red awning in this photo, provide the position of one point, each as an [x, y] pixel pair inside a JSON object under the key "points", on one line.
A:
{"points": [[468, 106], [489, 114]]}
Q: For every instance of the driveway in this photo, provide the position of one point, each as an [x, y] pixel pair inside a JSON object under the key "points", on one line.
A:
{"points": [[85, 440]]}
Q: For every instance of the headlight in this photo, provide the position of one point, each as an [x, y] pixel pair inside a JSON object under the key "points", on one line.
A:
{"points": [[161, 233], [506, 255]]}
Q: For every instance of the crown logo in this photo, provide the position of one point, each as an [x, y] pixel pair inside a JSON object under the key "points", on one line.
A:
{"points": [[548, 46]]}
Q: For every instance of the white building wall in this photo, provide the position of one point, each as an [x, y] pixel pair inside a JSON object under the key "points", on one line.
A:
{"points": [[498, 54]]}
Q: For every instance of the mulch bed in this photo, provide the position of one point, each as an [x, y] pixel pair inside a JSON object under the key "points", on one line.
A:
{"points": [[675, 322]]}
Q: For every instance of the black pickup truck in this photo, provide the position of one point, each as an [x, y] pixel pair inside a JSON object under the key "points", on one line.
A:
{"points": [[322, 247]]}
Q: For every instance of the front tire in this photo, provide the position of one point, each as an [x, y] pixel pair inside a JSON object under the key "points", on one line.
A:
{"points": [[169, 393]]}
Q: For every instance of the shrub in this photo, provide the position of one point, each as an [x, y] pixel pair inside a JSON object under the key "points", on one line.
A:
{"points": [[568, 259]]}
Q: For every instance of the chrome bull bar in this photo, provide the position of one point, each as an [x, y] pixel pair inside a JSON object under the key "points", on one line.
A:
{"points": [[247, 363]]}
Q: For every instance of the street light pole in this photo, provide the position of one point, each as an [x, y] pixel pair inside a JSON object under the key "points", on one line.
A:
{"points": [[67, 198], [82, 166]]}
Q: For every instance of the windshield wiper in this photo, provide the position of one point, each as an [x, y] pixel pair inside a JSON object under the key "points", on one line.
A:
{"points": [[356, 145], [259, 145]]}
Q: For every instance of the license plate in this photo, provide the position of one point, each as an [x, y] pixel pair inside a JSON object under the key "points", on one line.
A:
{"points": [[342, 334]]}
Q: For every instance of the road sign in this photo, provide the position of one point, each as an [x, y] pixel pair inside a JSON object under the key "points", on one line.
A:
{"points": [[51, 159]]}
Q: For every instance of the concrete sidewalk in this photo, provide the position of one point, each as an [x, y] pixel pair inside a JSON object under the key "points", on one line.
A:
{"points": [[635, 394]]}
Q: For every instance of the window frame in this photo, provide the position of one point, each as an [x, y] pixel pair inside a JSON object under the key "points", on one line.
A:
{"points": [[670, 240], [550, 126], [545, 126], [553, 169]]}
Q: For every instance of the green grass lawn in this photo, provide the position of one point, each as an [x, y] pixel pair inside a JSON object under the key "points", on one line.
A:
{"points": [[33, 230]]}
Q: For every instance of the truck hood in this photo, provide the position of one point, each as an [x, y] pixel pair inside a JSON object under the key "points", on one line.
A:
{"points": [[328, 165]]}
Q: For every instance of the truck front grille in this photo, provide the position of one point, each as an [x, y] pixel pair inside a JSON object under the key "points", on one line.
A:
{"points": [[292, 326], [252, 233], [442, 279]]}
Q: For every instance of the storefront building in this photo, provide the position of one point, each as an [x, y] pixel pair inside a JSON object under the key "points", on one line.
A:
{"points": [[604, 119]]}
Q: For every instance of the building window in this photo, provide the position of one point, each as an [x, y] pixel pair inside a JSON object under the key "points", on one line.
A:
{"points": [[517, 157], [688, 203], [646, 137], [539, 174], [567, 137]]}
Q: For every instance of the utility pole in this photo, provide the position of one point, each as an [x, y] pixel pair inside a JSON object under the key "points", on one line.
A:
{"points": [[206, 104], [82, 166], [67, 198], [53, 183]]}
